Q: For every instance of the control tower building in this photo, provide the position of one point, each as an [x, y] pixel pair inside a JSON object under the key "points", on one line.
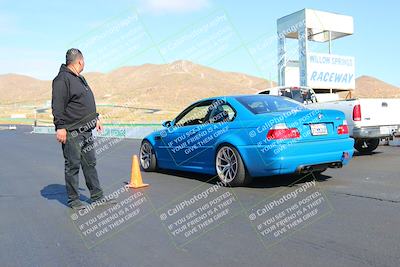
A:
{"points": [[324, 72]]}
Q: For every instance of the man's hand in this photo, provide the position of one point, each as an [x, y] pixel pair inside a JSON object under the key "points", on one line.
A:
{"points": [[99, 126], [62, 135]]}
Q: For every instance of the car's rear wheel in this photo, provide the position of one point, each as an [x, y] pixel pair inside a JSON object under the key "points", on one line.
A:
{"points": [[366, 146], [148, 160], [230, 167]]}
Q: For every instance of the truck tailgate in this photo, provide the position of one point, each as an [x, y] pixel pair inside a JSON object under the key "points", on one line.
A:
{"points": [[379, 112]]}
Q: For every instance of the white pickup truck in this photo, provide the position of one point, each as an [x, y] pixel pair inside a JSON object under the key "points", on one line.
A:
{"points": [[368, 119]]}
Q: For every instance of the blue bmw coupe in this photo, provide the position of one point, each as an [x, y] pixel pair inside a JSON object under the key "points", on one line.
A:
{"points": [[245, 136]]}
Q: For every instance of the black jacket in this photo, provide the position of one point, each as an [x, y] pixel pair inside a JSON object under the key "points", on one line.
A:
{"points": [[72, 102]]}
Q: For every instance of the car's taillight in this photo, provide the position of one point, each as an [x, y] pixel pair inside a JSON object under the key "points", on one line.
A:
{"points": [[343, 129], [281, 131], [357, 113]]}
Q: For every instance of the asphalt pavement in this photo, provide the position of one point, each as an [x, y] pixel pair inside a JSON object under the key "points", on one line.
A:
{"points": [[345, 217]]}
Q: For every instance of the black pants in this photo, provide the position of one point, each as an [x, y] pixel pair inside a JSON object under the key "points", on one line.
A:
{"points": [[79, 151]]}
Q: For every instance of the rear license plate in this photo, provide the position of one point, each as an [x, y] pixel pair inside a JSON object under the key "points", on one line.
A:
{"points": [[318, 129]]}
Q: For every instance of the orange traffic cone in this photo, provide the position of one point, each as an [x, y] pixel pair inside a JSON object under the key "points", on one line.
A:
{"points": [[136, 176]]}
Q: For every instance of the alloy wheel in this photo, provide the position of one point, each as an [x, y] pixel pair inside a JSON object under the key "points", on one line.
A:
{"points": [[227, 164], [145, 155]]}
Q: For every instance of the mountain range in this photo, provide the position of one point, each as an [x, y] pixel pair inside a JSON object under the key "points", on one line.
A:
{"points": [[164, 87]]}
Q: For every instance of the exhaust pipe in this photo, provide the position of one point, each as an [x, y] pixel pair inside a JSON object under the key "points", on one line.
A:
{"points": [[336, 165], [305, 169], [318, 167]]}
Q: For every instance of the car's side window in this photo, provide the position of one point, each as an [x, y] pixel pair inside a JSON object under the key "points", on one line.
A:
{"points": [[222, 113], [196, 115]]}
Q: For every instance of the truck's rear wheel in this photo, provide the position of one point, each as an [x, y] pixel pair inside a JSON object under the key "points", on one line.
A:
{"points": [[366, 146]]}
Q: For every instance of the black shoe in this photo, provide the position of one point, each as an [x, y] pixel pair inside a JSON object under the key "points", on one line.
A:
{"points": [[77, 206], [104, 201]]}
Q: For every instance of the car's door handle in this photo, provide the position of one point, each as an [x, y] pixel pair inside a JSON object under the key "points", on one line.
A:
{"points": [[157, 137]]}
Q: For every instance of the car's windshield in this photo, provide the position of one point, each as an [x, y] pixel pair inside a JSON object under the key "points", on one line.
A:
{"points": [[260, 104]]}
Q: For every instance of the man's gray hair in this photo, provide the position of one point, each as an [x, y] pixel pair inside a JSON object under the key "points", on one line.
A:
{"points": [[72, 55]]}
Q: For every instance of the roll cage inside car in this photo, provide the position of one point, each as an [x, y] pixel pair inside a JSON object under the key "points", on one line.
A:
{"points": [[302, 94]]}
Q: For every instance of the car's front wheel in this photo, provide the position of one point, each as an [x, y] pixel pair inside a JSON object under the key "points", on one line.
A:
{"points": [[230, 167], [148, 160]]}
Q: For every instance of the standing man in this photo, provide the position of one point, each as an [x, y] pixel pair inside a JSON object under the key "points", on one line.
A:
{"points": [[74, 112]]}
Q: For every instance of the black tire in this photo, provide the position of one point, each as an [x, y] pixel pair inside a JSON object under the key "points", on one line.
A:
{"points": [[239, 177], [151, 165], [366, 146]]}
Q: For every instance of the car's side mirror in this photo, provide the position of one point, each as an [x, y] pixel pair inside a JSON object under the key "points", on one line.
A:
{"points": [[166, 124]]}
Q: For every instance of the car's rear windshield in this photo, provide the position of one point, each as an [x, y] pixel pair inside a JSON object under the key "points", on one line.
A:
{"points": [[260, 104]]}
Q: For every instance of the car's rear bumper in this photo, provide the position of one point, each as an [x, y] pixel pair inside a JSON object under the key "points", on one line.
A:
{"points": [[290, 158]]}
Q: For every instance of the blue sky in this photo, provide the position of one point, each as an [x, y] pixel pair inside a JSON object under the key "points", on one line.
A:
{"points": [[36, 34]]}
